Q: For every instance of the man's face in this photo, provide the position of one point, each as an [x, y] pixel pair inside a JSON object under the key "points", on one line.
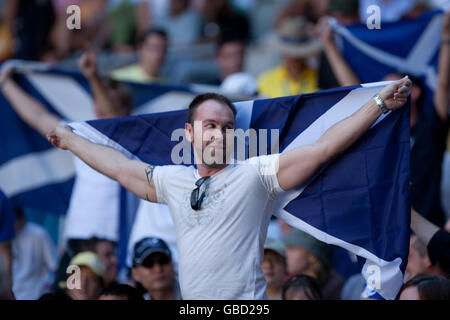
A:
{"points": [[90, 285], [298, 260], [152, 52], [274, 268], [212, 133], [155, 272], [106, 252], [231, 57]]}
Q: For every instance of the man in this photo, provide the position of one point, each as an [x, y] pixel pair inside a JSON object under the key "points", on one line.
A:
{"points": [[153, 270], [152, 49], [230, 57], [293, 76], [221, 211], [306, 255], [120, 292], [274, 267]]}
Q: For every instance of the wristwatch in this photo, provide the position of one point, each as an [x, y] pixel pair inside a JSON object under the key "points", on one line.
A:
{"points": [[380, 103]]}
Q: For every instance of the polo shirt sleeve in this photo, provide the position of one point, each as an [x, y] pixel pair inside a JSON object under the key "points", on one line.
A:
{"points": [[267, 168]]}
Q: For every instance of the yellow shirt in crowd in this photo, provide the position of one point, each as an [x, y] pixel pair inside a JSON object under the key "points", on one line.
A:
{"points": [[277, 83], [132, 73]]}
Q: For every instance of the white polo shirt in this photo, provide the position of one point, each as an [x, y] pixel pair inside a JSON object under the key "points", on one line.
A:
{"points": [[221, 245]]}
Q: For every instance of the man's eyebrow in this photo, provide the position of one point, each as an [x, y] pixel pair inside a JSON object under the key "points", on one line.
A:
{"points": [[215, 121]]}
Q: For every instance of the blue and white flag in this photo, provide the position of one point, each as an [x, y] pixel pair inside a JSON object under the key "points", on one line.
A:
{"points": [[35, 175], [359, 202], [409, 45]]}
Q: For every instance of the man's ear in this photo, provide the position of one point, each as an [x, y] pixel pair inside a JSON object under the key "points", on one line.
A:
{"points": [[189, 132]]}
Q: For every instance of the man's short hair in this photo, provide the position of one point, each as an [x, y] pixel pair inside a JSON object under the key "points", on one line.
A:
{"points": [[150, 32], [198, 100]]}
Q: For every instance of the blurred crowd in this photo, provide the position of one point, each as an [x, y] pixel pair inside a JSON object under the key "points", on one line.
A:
{"points": [[268, 48]]}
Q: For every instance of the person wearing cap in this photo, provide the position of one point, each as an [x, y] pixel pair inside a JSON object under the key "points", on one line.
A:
{"points": [[153, 270], [295, 43], [274, 267], [91, 276], [305, 255]]}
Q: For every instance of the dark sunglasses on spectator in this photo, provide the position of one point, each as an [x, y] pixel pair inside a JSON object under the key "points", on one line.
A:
{"points": [[160, 259], [198, 194]]}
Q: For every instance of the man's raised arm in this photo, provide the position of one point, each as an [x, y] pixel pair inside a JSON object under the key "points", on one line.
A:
{"points": [[298, 165], [135, 176]]}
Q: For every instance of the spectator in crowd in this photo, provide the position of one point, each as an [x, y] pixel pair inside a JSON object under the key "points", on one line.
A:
{"points": [[346, 13], [301, 287], [221, 21], [274, 267], [293, 76], [436, 241], [182, 25], [95, 198], [6, 24], [426, 287], [152, 49], [153, 270], [88, 282], [429, 124], [7, 235], [32, 243], [230, 57], [120, 292], [306, 255], [419, 261]]}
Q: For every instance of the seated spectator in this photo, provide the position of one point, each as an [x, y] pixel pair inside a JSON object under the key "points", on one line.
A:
{"points": [[91, 276], [426, 287], [293, 76], [120, 292], [419, 261], [153, 270], [306, 255], [230, 58], [32, 243], [301, 288], [274, 267], [182, 25], [152, 49], [436, 242]]}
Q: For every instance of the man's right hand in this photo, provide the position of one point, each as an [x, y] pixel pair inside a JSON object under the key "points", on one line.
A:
{"points": [[59, 137]]}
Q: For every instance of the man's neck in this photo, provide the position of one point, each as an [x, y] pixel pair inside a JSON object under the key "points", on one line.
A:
{"points": [[205, 171], [150, 71]]}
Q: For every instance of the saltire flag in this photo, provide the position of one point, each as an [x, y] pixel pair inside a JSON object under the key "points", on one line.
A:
{"points": [[359, 202], [408, 45]]}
